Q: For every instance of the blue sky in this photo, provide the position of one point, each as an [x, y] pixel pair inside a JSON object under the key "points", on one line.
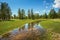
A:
{"points": [[39, 6]]}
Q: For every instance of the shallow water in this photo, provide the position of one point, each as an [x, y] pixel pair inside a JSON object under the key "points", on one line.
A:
{"points": [[30, 31]]}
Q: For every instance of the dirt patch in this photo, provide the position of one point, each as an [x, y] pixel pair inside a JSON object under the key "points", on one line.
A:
{"points": [[53, 35], [30, 35]]}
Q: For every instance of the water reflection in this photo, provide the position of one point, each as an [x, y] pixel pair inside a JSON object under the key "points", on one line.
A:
{"points": [[31, 31]]}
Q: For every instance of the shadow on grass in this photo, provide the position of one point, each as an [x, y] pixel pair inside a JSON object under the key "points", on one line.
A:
{"points": [[6, 20]]}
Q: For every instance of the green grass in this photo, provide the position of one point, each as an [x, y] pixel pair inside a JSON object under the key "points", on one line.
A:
{"points": [[6, 26], [53, 24]]}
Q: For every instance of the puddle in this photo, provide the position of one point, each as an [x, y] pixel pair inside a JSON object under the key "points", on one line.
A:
{"points": [[30, 31]]}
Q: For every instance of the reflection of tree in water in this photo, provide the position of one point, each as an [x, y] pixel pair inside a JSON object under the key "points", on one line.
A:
{"points": [[23, 28], [19, 29], [30, 25], [31, 34], [34, 35]]}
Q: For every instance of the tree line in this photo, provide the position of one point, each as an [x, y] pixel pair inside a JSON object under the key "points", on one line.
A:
{"points": [[5, 11], [6, 14]]}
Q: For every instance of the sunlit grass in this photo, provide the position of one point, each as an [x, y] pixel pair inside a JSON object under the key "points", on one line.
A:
{"points": [[53, 28], [6, 26], [53, 24]]}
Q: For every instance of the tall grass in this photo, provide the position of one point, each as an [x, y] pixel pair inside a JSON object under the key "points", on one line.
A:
{"points": [[6, 26]]}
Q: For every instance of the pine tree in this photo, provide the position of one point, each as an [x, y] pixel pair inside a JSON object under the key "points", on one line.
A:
{"points": [[58, 13], [9, 13], [32, 14], [36, 16], [0, 11], [45, 16], [52, 14], [15, 16], [23, 13], [19, 14], [29, 14], [5, 11]]}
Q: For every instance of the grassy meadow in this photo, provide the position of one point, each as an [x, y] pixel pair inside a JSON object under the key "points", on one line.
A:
{"points": [[6, 26], [52, 24], [53, 28]]}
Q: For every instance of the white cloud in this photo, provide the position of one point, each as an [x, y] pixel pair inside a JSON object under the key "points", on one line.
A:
{"points": [[57, 4]]}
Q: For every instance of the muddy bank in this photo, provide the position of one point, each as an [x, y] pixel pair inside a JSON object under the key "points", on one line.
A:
{"points": [[30, 31]]}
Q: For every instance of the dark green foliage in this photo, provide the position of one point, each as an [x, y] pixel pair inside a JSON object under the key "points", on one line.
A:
{"points": [[0, 11], [32, 14], [37, 16], [5, 11], [52, 14], [23, 14], [58, 13], [15, 17], [19, 14], [29, 14], [41, 16], [45, 16]]}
